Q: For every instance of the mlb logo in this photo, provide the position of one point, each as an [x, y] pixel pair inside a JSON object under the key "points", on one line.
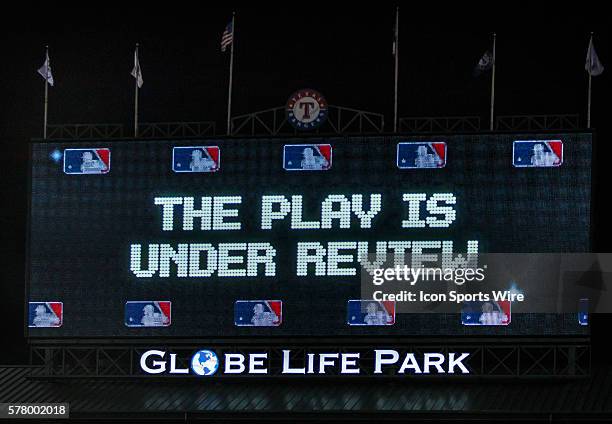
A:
{"points": [[583, 312], [307, 157], [370, 312], [537, 154], [148, 313], [486, 313], [87, 161], [258, 313], [45, 314], [418, 155], [196, 159]]}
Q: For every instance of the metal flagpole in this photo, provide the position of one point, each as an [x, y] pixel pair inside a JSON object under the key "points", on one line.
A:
{"points": [[590, 77], [396, 51], [493, 86], [137, 67], [46, 91], [231, 75]]}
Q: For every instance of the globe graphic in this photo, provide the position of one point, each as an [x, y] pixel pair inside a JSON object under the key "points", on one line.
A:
{"points": [[204, 362]]}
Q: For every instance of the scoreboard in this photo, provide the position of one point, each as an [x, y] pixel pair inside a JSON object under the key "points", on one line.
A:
{"points": [[267, 237]]}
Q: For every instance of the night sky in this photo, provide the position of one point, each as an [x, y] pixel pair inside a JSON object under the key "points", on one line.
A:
{"points": [[345, 53]]}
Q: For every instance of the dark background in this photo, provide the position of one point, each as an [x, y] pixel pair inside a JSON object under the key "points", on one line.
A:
{"points": [[82, 227], [345, 52]]}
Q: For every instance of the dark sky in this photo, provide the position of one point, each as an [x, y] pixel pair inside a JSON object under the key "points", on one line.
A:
{"points": [[344, 52]]}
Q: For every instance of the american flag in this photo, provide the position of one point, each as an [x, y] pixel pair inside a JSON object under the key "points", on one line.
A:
{"points": [[228, 36]]}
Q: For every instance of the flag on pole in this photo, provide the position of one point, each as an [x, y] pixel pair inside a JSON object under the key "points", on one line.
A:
{"points": [[227, 38], [394, 51], [136, 72], [593, 66], [484, 64], [45, 70], [396, 67]]}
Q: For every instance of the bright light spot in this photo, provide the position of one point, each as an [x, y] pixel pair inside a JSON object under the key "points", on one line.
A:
{"points": [[55, 156]]}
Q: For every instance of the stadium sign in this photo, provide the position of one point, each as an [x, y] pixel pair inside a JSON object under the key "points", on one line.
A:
{"points": [[306, 109], [206, 363]]}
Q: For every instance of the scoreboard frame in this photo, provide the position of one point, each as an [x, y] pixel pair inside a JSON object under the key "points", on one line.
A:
{"points": [[257, 340]]}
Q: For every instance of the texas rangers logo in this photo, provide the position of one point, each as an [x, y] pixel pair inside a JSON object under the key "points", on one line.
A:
{"points": [[45, 314], [416, 155], [258, 313], [196, 159], [370, 312], [306, 109], [537, 154], [87, 161]]}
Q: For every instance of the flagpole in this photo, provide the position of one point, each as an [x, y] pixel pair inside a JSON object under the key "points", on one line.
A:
{"points": [[396, 45], [136, 95], [231, 75], [492, 87], [589, 95], [46, 91]]}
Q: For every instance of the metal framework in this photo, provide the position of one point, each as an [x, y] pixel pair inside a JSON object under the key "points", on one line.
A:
{"points": [[439, 124], [558, 358], [145, 130], [176, 129], [537, 122], [459, 124], [341, 120], [84, 131]]}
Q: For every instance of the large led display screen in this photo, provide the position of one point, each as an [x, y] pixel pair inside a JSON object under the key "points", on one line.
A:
{"points": [[264, 237]]}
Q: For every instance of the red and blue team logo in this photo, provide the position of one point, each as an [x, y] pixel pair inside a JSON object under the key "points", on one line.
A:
{"points": [[417, 155], [87, 161], [307, 157], [196, 159], [306, 109], [537, 154], [45, 314], [486, 313], [258, 313], [370, 312], [148, 313]]}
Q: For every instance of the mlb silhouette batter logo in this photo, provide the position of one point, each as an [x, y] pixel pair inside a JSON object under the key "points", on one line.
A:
{"points": [[416, 155], [258, 313], [87, 161], [370, 312], [196, 159], [537, 154], [306, 109], [45, 314], [307, 157], [148, 313], [486, 313]]}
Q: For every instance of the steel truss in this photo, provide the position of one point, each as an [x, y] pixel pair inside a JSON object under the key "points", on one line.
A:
{"points": [[462, 124], [84, 131], [491, 357], [340, 120], [439, 124], [537, 122], [145, 130], [176, 129]]}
